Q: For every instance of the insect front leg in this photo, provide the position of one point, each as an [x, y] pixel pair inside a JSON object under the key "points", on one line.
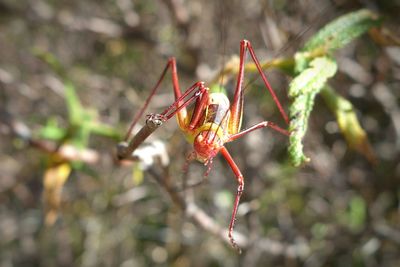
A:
{"points": [[240, 180], [154, 121], [171, 64]]}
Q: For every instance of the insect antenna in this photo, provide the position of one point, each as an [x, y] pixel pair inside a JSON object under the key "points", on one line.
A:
{"points": [[222, 22], [296, 39]]}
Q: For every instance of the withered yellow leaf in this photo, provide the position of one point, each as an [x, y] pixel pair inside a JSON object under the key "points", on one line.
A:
{"points": [[54, 178]]}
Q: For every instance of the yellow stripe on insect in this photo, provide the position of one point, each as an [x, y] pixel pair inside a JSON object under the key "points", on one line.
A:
{"points": [[212, 127]]}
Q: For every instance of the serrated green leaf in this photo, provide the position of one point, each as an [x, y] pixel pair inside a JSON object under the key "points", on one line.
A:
{"points": [[314, 77], [342, 31], [301, 61], [303, 90], [299, 113]]}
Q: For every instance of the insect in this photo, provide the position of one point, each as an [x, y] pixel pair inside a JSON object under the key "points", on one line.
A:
{"points": [[213, 122]]}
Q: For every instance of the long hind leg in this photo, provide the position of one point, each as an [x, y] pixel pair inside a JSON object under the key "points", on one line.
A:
{"points": [[238, 99], [240, 180]]}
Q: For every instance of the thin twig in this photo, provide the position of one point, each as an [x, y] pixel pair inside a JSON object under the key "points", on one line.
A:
{"points": [[386, 231], [66, 152], [207, 223]]}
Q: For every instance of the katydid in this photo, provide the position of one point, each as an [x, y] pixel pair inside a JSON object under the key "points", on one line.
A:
{"points": [[213, 121]]}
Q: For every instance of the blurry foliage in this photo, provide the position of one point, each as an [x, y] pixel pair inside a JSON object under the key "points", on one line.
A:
{"points": [[55, 176], [74, 137], [338, 210], [303, 89], [342, 31], [348, 123], [312, 75]]}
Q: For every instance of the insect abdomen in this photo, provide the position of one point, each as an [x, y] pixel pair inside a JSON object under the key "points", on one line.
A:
{"points": [[218, 110]]}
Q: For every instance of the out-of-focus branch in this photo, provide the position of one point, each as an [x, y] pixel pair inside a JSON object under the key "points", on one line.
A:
{"points": [[179, 13], [207, 223], [388, 232], [65, 151], [181, 17]]}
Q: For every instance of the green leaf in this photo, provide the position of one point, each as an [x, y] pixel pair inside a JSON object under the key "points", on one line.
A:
{"points": [[319, 230], [52, 131], [80, 136], [314, 77], [299, 113], [357, 212], [355, 215], [75, 111], [342, 31], [50, 60], [104, 130], [301, 61], [302, 91]]}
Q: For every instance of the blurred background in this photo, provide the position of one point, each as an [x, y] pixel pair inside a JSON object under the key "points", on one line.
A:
{"points": [[65, 65]]}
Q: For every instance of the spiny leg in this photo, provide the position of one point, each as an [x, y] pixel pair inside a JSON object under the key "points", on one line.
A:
{"points": [[177, 92], [258, 126], [269, 87], [194, 93], [239, 192], [154, 121], [185, 169], [238, 100]]}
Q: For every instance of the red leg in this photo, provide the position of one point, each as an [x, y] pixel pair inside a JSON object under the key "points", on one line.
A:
{"points": [[193, 93], [154, 121], [201, 97], [272, 92], [182, 114], [237, 105], [239, 192], [258, 126], [198, 111]]}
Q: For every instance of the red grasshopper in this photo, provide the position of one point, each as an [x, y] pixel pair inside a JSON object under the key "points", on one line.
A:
{"points": [[212, 123]]}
